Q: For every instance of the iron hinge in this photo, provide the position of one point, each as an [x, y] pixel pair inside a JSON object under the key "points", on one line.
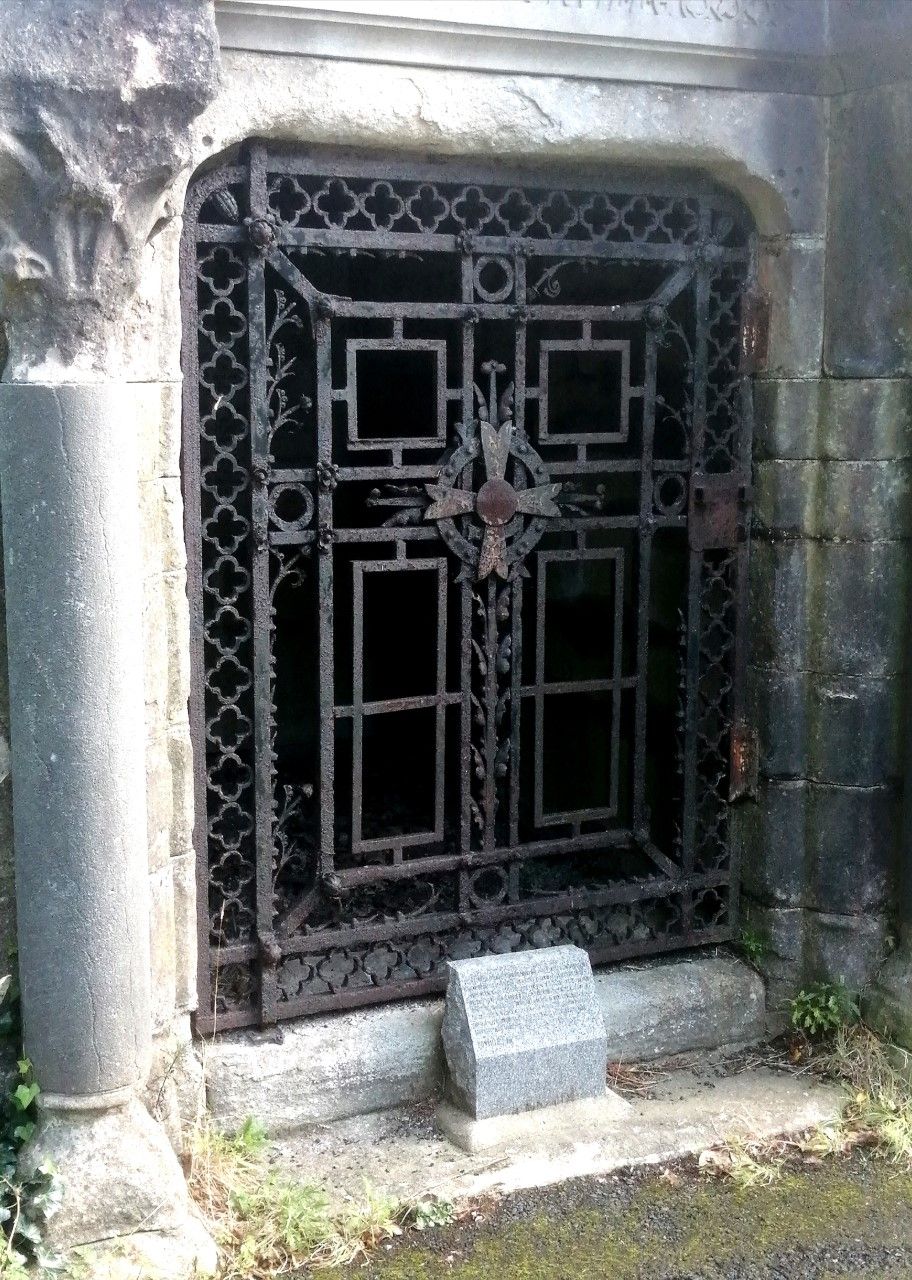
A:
{"points": [[745, 758], [719, 509], [755, 328]]}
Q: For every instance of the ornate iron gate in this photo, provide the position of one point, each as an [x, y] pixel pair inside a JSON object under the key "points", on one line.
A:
{"points": [[466, 465]]}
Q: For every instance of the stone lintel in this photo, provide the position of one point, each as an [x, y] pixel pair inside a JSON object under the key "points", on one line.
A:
{"points": [[791, 46]]}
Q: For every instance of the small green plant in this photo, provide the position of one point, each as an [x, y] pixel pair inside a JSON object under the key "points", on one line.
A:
{"points": [[26, 1203], [751, 945], [822, 1009], [431, 1212]]}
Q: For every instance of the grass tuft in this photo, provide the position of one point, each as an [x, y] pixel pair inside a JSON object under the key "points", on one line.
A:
{"points": [[879, 1101], [267, 1224]]}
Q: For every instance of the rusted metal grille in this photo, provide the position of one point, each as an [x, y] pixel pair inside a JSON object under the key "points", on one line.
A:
{"points": [[466, 467]]}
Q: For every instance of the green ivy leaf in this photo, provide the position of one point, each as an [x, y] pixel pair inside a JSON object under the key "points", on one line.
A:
{"points": [[24, 1095]]}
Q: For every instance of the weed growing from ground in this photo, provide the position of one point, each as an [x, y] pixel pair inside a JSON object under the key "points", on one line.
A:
{"points": [[751, 945], [823, 1009], [431, 1213], [26, 1203], [876, 1113]]}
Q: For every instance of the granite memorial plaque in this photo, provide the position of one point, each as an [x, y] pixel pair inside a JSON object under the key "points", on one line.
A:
{"points": [[523, 1031]]}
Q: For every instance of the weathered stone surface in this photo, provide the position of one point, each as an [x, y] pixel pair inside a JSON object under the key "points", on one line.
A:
{"points": [[767, 147], [837, 729], [860, 419], [865, 418], [785, 417], [790, 272], [846, 949], [852, 501], [772, 841], [162, 946], [781, 933], [159, 801], [851, 848], [75, 660], [858, 620], [158, 431], [96, 101], [152, 324], [814, 845], [526, 1132], [887, 1005], [776, 45], [175, 1093], [183, 871], [780, 574], [522, 1031], [854, 730], [7, 873], [166, 624], [162, 516], [322, 1069], [869, 242], [180, 756], [658, 1010], [778, 709], [126, 1182]]}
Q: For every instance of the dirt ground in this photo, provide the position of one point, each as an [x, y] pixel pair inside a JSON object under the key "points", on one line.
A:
{"points": [[846, 1217]]}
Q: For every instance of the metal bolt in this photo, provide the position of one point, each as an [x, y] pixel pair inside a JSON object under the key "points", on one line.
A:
{"points": [[260, 232]]}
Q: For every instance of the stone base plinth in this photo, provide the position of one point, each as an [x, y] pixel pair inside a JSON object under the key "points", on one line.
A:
{"points": [[887, 1006], [563, 1125], [124, 1195], [317, 1070]]}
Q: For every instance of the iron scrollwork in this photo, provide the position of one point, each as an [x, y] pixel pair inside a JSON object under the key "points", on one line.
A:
{"points": [[469, 650]]}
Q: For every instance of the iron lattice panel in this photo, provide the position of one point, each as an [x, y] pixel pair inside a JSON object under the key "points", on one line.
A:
{"points": [[465, 465]]}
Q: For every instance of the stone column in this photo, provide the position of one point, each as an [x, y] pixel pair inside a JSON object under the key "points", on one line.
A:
{"points": [[96, 101], [71, 539]]}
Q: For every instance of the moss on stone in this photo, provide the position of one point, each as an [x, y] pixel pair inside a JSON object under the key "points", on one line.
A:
{"points": [[693, 1228]]}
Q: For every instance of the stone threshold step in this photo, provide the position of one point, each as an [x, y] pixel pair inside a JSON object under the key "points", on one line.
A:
{"points": [[317, 1070]]}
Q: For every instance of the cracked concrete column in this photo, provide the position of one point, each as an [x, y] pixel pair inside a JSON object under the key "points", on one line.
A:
{"points": [[71, 539], [96, 101]]}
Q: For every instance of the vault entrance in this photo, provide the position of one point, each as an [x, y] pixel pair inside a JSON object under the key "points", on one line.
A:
{"points": [[466, 466]]}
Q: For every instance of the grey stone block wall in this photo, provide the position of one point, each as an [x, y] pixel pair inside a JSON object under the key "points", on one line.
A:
{"points": [[869, 238], [828, 644], [822, 852], [7, 878]]}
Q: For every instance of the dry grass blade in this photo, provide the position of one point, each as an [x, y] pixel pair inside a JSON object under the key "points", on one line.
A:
{"points": [[748, 1162], [634, 1079], [879, 1084]]}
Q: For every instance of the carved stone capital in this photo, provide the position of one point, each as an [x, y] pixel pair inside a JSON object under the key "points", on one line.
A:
{"points": [[96, 101]]}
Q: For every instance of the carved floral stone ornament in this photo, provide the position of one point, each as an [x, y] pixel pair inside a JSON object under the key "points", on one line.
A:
{"points": [[89, 151], [498, 504]]}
